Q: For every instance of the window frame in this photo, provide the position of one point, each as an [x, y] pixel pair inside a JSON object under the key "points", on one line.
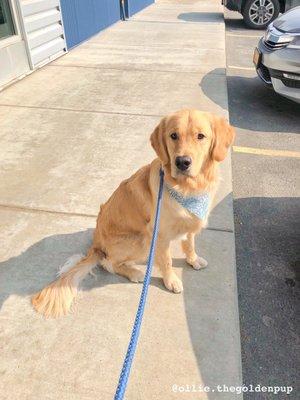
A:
{"points": [[16, 37]]}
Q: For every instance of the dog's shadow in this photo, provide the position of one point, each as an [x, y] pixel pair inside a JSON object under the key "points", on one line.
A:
{"points": [[27, 273], [37, 266]]}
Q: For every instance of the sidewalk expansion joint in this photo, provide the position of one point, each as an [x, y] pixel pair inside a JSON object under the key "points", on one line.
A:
{"points": [[83, 111], [138, 69], [199, 23], [36, 210], [147, 46]]}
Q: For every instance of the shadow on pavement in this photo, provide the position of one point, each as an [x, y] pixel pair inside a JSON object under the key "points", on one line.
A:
{"points": [[201, 17], [252, 104], [37, 266], [28, 272], [268, 260], [237, 24], [269, 337]]}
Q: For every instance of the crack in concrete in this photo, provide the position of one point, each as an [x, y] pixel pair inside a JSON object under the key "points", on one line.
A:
{"points": [[36, 210]]}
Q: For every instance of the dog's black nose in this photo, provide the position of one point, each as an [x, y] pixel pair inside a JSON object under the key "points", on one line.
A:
{"points": [[183, 162]]}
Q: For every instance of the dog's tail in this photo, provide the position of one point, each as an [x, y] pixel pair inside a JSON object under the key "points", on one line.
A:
{"points": [[56, 299]]}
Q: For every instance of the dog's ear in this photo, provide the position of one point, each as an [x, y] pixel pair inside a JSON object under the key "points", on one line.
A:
{"points": [[223, 137], [158, 142]]}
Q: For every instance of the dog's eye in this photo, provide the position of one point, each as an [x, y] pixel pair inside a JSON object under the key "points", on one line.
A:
{"points": [[200, 136], [174, 136]]}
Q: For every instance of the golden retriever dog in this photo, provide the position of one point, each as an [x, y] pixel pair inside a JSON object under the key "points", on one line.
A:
{"points": [[189, 145]]}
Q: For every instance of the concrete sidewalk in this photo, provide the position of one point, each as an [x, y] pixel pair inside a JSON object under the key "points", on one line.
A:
{"points": [[69, 133]]}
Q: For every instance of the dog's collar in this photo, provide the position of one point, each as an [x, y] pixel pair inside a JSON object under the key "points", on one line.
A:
{"points": [[197, 205]]}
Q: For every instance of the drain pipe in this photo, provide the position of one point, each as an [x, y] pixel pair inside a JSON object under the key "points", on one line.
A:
{"points": [[122, 4]]}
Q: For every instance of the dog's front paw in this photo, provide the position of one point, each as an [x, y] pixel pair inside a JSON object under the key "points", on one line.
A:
{"points": [[199, 263], [173, 283], [136, 275]]}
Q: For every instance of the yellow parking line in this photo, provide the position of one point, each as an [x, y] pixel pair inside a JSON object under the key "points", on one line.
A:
{"points": [[237, 67], [246, 36], [266, 152]]}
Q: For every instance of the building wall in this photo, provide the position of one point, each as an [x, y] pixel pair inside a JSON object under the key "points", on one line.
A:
{"points": [[43, 29], [13, 62], [38, 38], [13, 56], [84, 18], [134, 6]]}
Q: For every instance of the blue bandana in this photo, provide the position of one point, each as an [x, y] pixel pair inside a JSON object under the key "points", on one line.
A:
{"points": [[197, 205]]}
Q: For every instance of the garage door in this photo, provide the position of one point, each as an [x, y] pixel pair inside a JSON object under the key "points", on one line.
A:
{"points": [[134, 6], [84, 18]]}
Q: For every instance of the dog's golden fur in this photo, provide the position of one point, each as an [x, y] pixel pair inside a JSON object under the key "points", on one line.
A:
{"points": [[125, 222]]}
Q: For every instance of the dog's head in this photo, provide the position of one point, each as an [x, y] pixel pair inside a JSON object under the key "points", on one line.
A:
{"points": [[186, 140]]}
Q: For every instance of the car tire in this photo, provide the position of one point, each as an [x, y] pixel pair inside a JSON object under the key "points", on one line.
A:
{"points": [[248, 13]]}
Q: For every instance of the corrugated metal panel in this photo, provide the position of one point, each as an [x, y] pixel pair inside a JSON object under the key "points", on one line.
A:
{"points": [[40, 20], [41, 53], [84, 18], [43, 28], [69, 14], [43, 35], [134, 6], [37, 6]]}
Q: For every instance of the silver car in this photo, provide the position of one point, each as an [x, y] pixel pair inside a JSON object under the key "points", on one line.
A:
{"points": [[277, 56], [259, 13]]}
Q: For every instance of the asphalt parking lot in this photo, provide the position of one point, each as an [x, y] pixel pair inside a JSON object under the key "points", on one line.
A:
{"points": [[266, 210]]}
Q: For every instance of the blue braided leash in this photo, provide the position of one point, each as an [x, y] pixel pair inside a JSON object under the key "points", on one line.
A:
{"points": [[140, 311]]}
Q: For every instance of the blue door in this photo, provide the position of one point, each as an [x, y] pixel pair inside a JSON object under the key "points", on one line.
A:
{"points": [[134, 6], [84, 18]]}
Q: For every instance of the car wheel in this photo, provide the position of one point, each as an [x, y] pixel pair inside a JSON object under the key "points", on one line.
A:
{"points": [[259, 13]]}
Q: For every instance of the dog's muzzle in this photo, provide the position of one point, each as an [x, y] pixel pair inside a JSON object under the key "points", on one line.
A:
{"points": [[183, 163]]}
